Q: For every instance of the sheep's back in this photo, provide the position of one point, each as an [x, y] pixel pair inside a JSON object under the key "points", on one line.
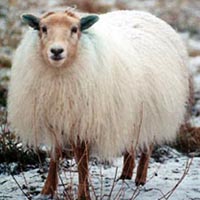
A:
{"points": [[149, 65]]}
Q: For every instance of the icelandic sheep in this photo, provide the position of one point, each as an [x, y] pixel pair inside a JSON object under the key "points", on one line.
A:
{"points": [[106, 83]]}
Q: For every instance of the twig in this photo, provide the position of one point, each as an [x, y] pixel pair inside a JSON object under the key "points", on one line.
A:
{"points": [[157, 189], [118, 195], [101, 178], [71, 177], [26, 195], [113, 184], [123, 191], [65, 193], [135, 193], [187, 167], [92, 187], [26, 183]]}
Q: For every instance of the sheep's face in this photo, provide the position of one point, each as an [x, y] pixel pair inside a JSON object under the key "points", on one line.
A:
{"points": [[59, 34]]}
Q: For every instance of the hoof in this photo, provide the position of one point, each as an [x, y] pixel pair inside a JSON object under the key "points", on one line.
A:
{"points": [[138, 183], [124, 177]]}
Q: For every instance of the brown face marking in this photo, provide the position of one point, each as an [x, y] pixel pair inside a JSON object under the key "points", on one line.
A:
{"points": [[70, 13], [60, 19], [47, 14], [59, 36]]}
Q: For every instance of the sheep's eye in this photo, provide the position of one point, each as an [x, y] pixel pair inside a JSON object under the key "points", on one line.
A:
{"points": [[44, 29], [74, 29]]}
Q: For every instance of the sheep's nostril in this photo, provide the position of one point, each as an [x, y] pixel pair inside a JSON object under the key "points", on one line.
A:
{"points": [[56, 51]]}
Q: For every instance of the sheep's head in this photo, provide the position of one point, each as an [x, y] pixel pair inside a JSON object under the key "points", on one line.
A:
{"points": [[59, 34]]}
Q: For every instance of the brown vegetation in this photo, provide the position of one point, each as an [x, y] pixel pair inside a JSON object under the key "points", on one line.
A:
{"points": [[188, 139], [89, 6]]}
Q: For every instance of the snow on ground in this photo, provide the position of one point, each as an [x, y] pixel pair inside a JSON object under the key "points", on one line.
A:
{"points": [[162, 178]]}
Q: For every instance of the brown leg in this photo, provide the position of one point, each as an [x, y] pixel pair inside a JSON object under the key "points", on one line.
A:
{"points": [[51, 182], [81, 153], [128, 166], [142, 168]]}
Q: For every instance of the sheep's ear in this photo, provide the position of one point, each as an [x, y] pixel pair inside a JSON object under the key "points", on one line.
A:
{"points": [[31, 20], [87, 22]]}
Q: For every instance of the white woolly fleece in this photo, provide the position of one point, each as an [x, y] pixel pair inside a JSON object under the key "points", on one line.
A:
{"points": [[127, 87]]}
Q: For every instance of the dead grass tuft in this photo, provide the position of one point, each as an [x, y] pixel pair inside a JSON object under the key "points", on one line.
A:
{"points": [[188, 139], [89, 6], [11, 149], [5, 61]]}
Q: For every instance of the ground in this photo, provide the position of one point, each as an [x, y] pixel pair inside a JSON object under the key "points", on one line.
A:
{"points": [[161, 182]]}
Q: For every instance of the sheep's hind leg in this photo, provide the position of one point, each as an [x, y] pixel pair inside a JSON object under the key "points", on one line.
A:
{"points": [[51, 182], [81, 153], [142, 168], [128, 166]]}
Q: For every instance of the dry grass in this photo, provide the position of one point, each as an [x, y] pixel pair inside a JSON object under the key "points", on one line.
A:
{"points": [[89, 6], [11, 149], [5, 61], [188, 139], [3, 95]]}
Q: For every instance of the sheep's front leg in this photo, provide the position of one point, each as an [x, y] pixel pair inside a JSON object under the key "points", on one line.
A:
{"points": [[51, 182], [142, 168], [81, 153], [128, 166]]}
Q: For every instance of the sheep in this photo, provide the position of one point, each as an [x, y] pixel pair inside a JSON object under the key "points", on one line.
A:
{"points": [[105, 84]]}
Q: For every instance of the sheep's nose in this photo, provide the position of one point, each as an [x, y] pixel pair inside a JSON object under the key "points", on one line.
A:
{"points": [[56, 51]]}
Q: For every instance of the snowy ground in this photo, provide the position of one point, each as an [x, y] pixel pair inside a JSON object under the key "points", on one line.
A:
{"points": [[162, 180]]}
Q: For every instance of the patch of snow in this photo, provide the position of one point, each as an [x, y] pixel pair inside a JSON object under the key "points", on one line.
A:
{"points": [[194, 65], [195, 121], [162, 177]]}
